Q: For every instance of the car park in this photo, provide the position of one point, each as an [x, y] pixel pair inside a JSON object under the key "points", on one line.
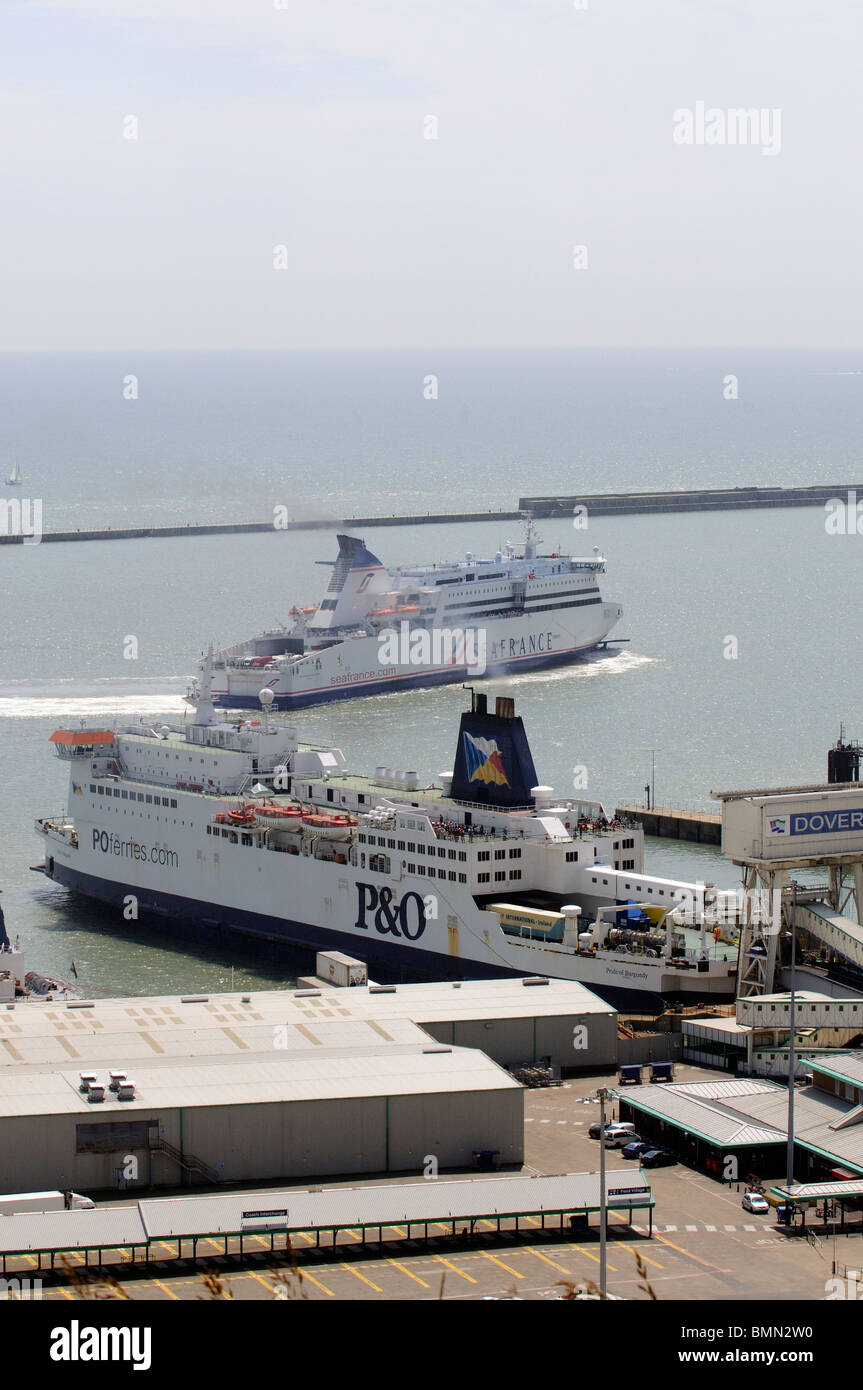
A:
{"points": [[635, 1149]]}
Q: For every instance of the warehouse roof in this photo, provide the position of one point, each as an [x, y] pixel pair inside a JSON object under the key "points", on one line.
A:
{"points": [[119, 1032], [330, 1074], [847, 1066]]}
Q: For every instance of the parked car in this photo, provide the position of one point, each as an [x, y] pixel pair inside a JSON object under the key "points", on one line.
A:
{"points": [[636, 1148], [618, 1136], [595, 1128], [754, 1202], [658, 1158]]}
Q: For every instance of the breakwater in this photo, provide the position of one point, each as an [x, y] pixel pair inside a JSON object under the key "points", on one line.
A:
{"points": [[595, 504]]}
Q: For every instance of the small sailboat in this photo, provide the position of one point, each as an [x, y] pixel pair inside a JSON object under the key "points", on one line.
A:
{"points": [[14, 479]]}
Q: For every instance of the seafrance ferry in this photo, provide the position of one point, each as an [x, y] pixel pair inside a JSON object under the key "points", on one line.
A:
{"points": [[378, 630], [239, 831]]}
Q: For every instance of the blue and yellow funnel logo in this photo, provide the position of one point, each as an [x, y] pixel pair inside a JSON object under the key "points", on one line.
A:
{"points": [[484, 761]]}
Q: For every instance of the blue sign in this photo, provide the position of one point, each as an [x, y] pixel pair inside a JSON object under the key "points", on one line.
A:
{"points": [[818, 822]]}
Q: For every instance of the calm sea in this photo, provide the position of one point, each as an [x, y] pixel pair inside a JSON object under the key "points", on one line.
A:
{"points": [[228, 437]]}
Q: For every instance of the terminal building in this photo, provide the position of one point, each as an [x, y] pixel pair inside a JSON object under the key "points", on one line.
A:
{"points": [[709, 1122], [293, 1085]]}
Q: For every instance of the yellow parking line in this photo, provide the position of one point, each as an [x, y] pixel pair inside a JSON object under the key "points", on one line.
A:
{"points": [[591, 1256], [468, 1277], [317, 1283], [66, 1294], [356, 1235], [619, 1245], [269, 1288], [377, 1288], [404, 1269], [534, 1221], [508, 1268], [553, 1263], [165, 1289]]}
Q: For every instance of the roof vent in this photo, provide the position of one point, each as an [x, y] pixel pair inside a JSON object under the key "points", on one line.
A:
{"points": [[382, 989], [126, 1090], [116, 1077], [195, 999], [87, 1079], [535, 980], [247, 999], [96, 1092], [80, 1004], [307, 994], [427, 1050]]}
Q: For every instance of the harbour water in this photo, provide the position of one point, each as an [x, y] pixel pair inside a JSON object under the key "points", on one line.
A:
{"points": [[743, 655]]}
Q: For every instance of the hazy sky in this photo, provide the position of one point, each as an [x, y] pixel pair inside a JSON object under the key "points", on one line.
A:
{"points": [[301, 124]]}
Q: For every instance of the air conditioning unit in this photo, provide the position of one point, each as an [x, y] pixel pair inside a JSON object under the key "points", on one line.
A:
{"points": [[96, 1092], [115, 1079], [87, 1079], [126, 1090]]}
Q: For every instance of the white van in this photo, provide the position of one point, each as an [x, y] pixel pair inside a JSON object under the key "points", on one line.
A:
{"points": [[14, 1202], [618, 1135]]}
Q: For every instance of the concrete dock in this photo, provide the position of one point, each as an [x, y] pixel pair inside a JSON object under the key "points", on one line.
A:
{"points": [[596, 504], [697, 500], [672, 823]]}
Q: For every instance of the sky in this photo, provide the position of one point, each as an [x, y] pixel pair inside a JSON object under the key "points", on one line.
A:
{"points": [[304, 125]]}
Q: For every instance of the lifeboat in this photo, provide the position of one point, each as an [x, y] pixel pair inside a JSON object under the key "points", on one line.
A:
{"points": [[398, 608], [243, 816], [329, 827], [279, 812]]}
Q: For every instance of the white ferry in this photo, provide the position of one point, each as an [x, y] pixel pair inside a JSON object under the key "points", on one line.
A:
{"points": [[378, 630], [238, 831]]}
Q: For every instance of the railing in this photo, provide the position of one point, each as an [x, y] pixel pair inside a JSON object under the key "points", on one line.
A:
{"points": [[188, 1162]]}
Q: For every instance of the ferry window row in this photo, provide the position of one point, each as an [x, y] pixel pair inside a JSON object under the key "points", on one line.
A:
{"points": [[133, 796]]}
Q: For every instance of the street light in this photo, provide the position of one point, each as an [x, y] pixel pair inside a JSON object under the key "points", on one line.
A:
{"points": [[792, 1061], [602, 1094], [653, 752]]}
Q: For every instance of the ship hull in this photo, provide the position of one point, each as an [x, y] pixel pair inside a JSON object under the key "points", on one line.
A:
{"points": [[350, 670], [276, 938]]}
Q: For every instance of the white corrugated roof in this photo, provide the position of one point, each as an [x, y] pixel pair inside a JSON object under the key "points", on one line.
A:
{"points": [[341, 1207], [327, 1075]]}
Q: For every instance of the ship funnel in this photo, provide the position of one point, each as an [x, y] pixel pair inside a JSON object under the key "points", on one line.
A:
{"points": [[493, 763]]}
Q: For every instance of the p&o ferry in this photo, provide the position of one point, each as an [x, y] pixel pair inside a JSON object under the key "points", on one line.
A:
{"points": [[377, 630], [238, 831]]}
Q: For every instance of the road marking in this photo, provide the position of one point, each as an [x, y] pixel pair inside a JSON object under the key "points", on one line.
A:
{"points": [[729, 1228], [404, 1269], [750, 1228], [269, 1288], [470, 1279], [317, 1283], [710, 1228], [590, 1256], [619, 1245], [165, 1289], [377, 1288], [668, 1228], [689, 1255], [508, 1268], [545, 1258], [690, 1228]]}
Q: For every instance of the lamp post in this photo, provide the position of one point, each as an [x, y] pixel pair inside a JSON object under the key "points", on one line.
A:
{"points": [[653, 752], [602, 1093], [792, 1060]]}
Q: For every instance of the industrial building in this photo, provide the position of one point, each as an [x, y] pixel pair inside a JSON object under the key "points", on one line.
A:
{"points": [[706, 1122], [755, 1043], [305, 1084]]}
